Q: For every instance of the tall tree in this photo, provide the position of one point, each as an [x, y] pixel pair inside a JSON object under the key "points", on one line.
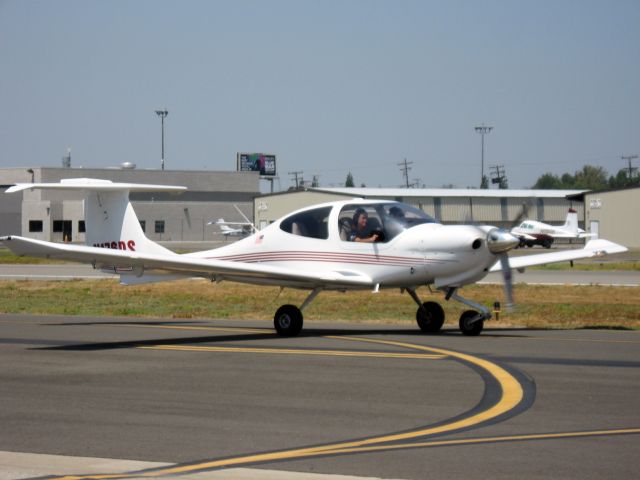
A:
{"points": [[349, 181]]}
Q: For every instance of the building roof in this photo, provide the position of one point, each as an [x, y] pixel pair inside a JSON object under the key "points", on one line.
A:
{"points": [[580, 196]]}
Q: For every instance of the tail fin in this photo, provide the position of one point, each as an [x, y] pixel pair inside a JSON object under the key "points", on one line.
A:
{"points": [[109, 217], [571, 223]]}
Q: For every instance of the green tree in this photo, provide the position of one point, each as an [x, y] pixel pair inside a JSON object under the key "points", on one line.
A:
{"points": [[548, 181], [591, 178], [623, 180], [349, 181], [485, 182], [567, 180]]}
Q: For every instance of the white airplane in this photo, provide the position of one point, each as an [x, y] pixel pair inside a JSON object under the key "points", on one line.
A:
{"points": [[308, 249], [532, 232], [245, 228]]}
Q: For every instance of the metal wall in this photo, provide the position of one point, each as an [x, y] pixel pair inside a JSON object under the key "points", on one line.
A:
{"points": [[617, 215]]}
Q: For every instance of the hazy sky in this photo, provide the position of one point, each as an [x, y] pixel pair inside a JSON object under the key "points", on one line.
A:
{"points": [[327, 86]]}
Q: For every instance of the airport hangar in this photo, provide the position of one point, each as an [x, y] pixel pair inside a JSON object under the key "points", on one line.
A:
{"points": [[447, 205], [59, 215], [612, 214]]}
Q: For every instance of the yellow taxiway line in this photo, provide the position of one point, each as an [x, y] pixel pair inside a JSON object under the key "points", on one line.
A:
{"points": [[511, 395], [294, 351]]}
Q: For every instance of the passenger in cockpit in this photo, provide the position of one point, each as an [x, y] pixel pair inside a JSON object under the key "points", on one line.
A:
{"points": [[397, 214]]}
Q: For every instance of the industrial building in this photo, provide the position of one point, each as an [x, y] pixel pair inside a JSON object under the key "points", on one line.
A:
{"points": [[59, 215], [613, 214], [493, 207]]}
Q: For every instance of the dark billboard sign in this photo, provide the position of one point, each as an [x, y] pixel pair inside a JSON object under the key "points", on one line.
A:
{"points": [[257, 162]]}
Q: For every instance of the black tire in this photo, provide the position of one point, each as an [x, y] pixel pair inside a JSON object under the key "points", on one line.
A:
{"points": [[471, 329], [288, 321], [546, 243], [430, 317]]}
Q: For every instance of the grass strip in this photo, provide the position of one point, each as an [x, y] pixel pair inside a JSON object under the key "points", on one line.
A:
{"points": [[538, 306]]}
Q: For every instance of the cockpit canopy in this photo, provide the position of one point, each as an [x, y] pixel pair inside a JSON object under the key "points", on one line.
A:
{"points": [[386, 219]]}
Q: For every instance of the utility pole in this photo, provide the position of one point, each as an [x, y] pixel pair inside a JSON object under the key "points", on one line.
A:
{"points": [[162, 114], [499, 176], [295, 174], [629, 158], [404, 168], [482, 130]]}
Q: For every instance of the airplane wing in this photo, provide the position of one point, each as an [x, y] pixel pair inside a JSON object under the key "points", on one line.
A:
{"points": [[524, 236], [593, 248], [136, 263]]}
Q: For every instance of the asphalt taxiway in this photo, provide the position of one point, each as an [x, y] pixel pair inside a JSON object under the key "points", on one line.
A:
{"points": [[203, 399]]}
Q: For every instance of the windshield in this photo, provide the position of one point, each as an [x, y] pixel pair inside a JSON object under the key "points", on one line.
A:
{"points": [[384, 220]]}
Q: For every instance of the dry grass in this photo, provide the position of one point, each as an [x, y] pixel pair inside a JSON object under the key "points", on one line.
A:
{"points": [[538, 306]]}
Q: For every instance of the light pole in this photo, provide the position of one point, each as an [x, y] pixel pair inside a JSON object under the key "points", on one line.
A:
{"points": [[482, 130], [162, 114]]}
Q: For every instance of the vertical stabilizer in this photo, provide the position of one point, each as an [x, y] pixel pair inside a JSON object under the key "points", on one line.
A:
{"points": [[112, 223], [571, 222]]}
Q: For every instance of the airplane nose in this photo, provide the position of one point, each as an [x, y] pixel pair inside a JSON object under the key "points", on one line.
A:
{"points": [[500, 241]]}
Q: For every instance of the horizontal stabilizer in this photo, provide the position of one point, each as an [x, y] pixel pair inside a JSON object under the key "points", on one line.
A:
{"points": [[97, 185]]}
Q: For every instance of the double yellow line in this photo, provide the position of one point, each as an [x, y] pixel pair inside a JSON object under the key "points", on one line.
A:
{"points": [[511, 395]]}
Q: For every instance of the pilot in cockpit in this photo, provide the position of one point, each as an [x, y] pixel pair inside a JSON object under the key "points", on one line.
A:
{"points": [[361, 232]]}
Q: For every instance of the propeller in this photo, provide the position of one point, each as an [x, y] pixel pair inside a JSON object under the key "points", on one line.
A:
{"points": [[499, 242]]}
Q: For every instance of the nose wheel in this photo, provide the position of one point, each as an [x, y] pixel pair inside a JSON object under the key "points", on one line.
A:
{"points": [[471, 323]]}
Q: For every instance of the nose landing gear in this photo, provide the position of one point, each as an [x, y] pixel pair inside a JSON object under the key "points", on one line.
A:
{"points": [[430, 315]]}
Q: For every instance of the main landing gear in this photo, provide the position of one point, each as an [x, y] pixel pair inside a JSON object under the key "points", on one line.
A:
{"points": [[430, 315], [288, 318]]}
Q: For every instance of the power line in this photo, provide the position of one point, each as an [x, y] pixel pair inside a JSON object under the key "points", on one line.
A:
{"points": [[295, 174], [404, 168], [499, 176], [629, 158]]}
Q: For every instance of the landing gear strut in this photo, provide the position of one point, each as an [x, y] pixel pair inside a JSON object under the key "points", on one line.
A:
{"points": [[471, 321], [430, 315], [288, 319]]}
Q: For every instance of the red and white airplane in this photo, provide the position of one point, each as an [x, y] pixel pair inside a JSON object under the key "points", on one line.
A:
{"points": [[532, 232], [343, 245]]}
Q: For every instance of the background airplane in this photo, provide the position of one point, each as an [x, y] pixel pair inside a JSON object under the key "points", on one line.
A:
{"points": [[532, 232], [227, 230], [307, 249]]}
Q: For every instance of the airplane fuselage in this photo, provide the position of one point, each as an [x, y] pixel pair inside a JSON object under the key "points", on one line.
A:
{"points": [[425, 253]]}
